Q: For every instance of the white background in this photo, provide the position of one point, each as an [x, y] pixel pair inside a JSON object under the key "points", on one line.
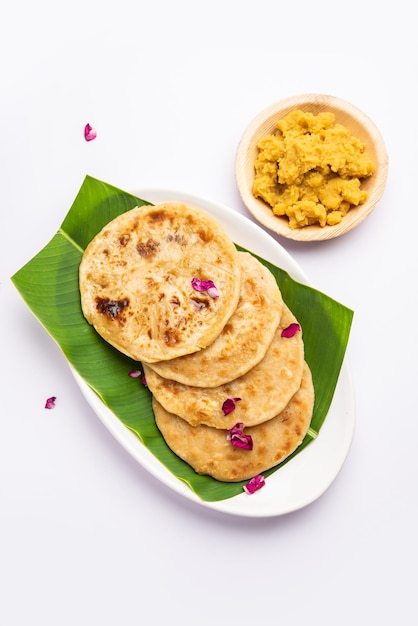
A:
{"points": [[87, 536]]}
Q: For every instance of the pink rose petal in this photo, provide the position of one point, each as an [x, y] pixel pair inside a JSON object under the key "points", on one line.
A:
{"points": [[50, 403], [89, 133], [205, 285], [229, 405], [237, 438], [291, 330], [235, 430], [254, 484], [134, 373], [245, 442], [213, 292]]}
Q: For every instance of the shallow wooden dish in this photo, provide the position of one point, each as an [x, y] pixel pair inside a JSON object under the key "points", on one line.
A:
{"points": [[346, 114]]}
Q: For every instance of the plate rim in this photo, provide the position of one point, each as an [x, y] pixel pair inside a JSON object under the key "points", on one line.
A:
{"points": [[259, 505]]}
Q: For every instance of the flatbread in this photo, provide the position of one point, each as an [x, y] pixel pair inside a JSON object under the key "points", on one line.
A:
{"points": [[245, 338], [135, 281], [264, 391], [208, 451]]}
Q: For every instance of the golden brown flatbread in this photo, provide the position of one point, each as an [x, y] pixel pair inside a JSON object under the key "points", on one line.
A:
{"points": [[136, 281], [264, 391], [208, 450], [245, 338]]}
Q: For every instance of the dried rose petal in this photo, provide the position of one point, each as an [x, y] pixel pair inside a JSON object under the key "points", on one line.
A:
{"points": [[291, 330], [50, 403], [213, 292], [205, 285], [90, 133], [235, 430], [202, 285], [255, 484], [242, 441], [137, 374], [229, 405], [237, 438]]}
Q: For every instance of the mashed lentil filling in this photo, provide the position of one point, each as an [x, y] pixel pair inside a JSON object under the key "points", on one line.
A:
{"points": [[311, 169]]}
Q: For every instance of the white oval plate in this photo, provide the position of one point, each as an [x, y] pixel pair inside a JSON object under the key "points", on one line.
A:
{"points": [[307, 476]]}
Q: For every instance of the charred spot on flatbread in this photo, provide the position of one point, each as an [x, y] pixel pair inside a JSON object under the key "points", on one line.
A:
{"points": [[113, 309]]}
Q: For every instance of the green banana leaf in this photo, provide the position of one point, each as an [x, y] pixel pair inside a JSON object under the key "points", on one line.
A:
{"points": [[48, 284]]}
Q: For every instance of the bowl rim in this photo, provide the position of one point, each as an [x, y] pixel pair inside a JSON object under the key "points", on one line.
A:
{"points": [[259, 126]]}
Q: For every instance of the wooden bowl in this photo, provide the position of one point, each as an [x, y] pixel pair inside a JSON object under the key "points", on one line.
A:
{"points": [[346, 114]]}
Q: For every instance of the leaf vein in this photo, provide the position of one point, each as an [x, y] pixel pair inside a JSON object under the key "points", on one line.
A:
{"points": [[70, 239]]}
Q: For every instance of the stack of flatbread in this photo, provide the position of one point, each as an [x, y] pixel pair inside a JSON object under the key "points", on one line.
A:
{"points": [[166, 286]]}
